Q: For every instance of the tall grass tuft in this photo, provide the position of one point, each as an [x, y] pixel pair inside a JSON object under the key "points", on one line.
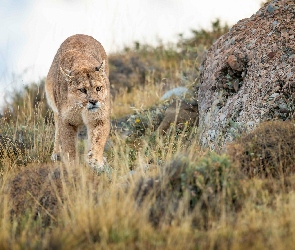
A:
{"points": [[27, 124]]}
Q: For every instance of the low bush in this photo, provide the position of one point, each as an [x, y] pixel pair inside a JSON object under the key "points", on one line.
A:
{"points": [[267, 151]]}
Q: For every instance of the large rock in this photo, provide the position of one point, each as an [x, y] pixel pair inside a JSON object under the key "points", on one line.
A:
{"points": [[248, 75], [180, 113]]}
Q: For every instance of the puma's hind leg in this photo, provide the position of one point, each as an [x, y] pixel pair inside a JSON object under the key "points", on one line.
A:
{"points": [[56, 154]]}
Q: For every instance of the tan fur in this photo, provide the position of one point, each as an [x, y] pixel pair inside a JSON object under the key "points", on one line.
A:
{"points": [[78, 91]]}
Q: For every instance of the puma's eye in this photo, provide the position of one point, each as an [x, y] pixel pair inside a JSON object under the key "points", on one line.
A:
{"points": [[83, 90], [98, 88]]}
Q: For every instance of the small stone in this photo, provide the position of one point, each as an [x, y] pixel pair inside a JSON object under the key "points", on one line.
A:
{"points": [[181, 113], [234, 63], [174, 92]]}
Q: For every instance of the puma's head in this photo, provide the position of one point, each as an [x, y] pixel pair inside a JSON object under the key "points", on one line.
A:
{"points": [[87, 85]]}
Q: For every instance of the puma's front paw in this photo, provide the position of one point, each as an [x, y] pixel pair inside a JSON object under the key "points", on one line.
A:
{"points": [[93, 163], [96, 166]]}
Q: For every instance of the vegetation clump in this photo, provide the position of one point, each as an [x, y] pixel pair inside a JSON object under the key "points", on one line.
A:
{"points": [[267, 151], [11, 153], [205, 188]]}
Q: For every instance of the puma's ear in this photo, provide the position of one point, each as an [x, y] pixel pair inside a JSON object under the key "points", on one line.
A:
{"points": [[101, 67], [66, 73]]}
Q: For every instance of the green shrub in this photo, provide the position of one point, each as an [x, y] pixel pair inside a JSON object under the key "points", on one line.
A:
{"points": [[208, 188]]}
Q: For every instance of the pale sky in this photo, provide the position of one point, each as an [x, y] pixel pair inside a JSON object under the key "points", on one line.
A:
{"points": [[32, 30]]}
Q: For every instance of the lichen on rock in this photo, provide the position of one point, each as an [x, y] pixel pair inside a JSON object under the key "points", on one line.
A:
{"points": [[248, 75]]}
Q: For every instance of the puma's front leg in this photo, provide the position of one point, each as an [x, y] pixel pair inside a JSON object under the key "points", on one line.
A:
{"points": [[97, 136], [68, 140]]}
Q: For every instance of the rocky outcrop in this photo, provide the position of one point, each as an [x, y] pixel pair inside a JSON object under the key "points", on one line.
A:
{"points": [[248, 75]]}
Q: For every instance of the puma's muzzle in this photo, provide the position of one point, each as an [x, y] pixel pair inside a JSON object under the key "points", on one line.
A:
{"points": [[93, 105]]}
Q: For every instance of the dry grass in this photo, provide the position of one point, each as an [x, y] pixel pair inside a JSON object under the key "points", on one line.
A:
{"points": [[179, 197], [138, 98], [94, 212]]}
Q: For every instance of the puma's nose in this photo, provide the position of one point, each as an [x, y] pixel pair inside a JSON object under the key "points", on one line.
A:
{"points": [[93, 102], [93, 105]]}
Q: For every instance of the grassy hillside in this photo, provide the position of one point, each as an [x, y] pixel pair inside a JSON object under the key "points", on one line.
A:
{"points": [[177, 196]]}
